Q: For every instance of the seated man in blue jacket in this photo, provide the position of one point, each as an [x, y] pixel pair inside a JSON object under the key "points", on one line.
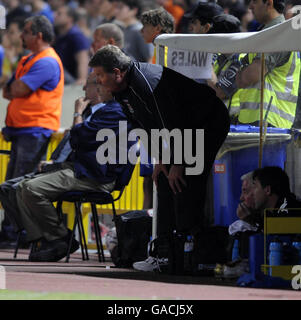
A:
{"points": [[81, 172], [60, 154]]}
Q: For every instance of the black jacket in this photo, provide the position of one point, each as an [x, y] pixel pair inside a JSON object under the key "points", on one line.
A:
{"points": [[157, 97]]}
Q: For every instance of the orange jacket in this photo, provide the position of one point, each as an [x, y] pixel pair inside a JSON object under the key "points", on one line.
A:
{"points": [[175, 10], [41, 108]]}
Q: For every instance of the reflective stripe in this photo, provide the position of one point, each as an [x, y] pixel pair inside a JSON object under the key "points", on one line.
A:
{"points": [[254, 106], [285, 78], [287, 94]]}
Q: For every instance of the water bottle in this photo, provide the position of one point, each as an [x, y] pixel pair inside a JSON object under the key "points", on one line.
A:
{"points": [[275, 255], [188, 249], [235, 250], [297, 246]]}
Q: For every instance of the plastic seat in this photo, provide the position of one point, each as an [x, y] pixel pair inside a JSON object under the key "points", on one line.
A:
{"points": [[94, 198]]}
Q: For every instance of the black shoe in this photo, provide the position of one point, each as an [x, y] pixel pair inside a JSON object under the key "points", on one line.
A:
{"points": [[53, 251]]}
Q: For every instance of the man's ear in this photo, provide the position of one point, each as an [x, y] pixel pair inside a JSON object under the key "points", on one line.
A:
{"points": [[40, 35], [158, 29], [268, 190], [119, 75], [207, 27]]}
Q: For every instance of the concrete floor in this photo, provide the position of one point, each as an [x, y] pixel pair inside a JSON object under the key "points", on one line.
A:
{"points": [[102, 279]]}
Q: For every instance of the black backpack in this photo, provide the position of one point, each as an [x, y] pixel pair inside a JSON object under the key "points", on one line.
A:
{"points": [[134, 229]]}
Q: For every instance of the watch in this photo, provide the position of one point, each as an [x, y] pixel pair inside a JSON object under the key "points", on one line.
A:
{"points": [[77, 114]]}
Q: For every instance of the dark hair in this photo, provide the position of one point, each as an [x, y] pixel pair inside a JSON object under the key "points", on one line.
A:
{"points": [[43, 25], [19, 21], [110, 57], [112, 30], [275, 177], [279, 5], [72, 13], [159, 17], [132, 4]]}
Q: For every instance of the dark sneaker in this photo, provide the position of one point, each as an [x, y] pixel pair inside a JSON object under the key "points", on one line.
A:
{"points": [[53, 251]]}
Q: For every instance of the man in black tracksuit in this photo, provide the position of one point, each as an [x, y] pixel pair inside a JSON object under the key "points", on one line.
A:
{"points": [[155, 97]]}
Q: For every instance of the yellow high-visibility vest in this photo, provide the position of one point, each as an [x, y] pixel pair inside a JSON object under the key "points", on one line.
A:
{"points": [[283, 84], [233, 103]]}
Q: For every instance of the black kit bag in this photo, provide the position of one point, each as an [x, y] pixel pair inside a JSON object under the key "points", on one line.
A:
{"points": [[134, 230], [210, 246]]}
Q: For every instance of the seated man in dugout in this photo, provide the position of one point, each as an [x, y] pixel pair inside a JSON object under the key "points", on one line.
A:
{"points": [[270, 189], [81, 172]]}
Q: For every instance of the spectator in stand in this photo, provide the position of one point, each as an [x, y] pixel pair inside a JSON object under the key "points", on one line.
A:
{"points": [[82, 22], [187, 5], [201, 16], [175, 10], [156, 22], [95, 17], [108, 10], [127, 13], [72, 46], [56, 4], [40, 7], [243, 13], [107, 33], [14, 50], [14, 9]]}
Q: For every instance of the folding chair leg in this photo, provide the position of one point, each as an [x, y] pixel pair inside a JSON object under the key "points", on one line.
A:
{"points": [[72, 236], [17, 244], [81, 231], [97, 233]]}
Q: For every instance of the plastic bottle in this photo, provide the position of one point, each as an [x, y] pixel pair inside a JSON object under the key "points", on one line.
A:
{"points": [[297, 245], [275, 253], [235, 250], [188, 249]]}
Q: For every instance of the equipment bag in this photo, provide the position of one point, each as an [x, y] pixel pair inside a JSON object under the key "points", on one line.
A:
{"points": [[209, 247], [134, 229]]}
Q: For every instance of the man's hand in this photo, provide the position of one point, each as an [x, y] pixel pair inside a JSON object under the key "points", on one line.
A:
{"points": [[242, 211], [43, 163], [159, 167], [6, 93], [176, 178], [81, 104]]}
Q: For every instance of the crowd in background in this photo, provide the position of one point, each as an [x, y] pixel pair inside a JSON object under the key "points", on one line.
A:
{"points": [[76, 20]]}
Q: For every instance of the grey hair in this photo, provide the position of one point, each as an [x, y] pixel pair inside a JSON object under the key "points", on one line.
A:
{"points": [[111, 30], [247, 176], [110, 57], [43, 25]]}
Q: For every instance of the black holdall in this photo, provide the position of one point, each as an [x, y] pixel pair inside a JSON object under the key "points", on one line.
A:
{"points": [[210, 246], [134, 229]]}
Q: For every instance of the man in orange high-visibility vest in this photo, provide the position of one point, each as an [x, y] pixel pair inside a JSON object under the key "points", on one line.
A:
{"points": [[35, 93]]}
